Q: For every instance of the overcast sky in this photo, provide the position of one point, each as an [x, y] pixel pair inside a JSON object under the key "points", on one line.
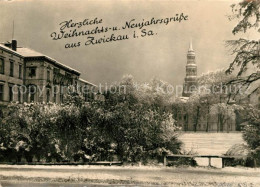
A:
{"points": [[162, 55]]}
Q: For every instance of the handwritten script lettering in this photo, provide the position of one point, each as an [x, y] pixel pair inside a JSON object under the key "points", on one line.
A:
{"points": [[94, 31]]}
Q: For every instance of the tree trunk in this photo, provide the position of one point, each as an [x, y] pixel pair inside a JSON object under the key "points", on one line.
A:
{"points": [[218, 123], [197, 119], [207, 127], [221, 123]]}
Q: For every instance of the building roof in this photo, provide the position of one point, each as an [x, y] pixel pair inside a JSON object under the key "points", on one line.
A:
{"points": [[29, 53], [24, 52], [3, 47], [84, 81]]}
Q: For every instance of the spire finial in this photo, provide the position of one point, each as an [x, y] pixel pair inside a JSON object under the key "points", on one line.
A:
{"points": [[13, 31], [190, 49]]}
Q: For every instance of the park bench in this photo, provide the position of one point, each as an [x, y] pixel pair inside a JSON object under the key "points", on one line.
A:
{"points": [[106, 163], [223, 158]]}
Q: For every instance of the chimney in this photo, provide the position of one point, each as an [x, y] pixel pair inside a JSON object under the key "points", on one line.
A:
{"points": [[14, 45], [8, 44]]}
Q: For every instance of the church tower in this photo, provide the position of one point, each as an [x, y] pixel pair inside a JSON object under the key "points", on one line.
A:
{"points": [[190, 83]]}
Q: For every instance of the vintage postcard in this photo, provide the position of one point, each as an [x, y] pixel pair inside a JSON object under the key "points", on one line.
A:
{"points": [[129, 93]]}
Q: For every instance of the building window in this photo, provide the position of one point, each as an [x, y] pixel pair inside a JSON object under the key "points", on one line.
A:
{"points": [[48, 75], [32, 72], [61, 98], [32, 92], [20, 71], [10, 93], [19, 94], [61, 92], [56, 75], [54, 94], [56, 71], [76, 86], [48, 95], [1, 92], [11, 68], [92, 96], [2, 66], [85, 97]]}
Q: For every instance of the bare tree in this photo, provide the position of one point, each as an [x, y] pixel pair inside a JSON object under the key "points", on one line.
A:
{"points": [[247, 52]]}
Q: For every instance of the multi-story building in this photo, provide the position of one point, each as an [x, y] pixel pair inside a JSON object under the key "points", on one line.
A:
{"points": [[29, 76]]}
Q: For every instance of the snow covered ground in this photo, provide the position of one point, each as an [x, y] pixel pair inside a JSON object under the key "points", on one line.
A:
{"points": [[200, 143], [210, 143], [203, 143], [131, 175]]}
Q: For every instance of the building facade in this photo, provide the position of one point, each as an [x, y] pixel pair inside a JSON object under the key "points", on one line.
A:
{"points": [[12, 69], [206, 118], [29, 76]]}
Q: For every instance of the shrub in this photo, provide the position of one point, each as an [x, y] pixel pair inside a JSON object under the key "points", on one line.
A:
{"points": [[251, 132], [239, 150], [184, 161], [122, 125]]}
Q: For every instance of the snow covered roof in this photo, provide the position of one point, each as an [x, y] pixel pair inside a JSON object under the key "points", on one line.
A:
{"points": [[26, 52], [2, 46], [84, 81], [29, 53]]}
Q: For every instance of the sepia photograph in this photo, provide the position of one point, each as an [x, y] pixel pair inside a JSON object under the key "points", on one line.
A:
{"points": [[129, 93]]}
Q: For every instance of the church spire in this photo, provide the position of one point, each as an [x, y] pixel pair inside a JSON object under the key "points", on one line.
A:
{"points": [[190, 84]]}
